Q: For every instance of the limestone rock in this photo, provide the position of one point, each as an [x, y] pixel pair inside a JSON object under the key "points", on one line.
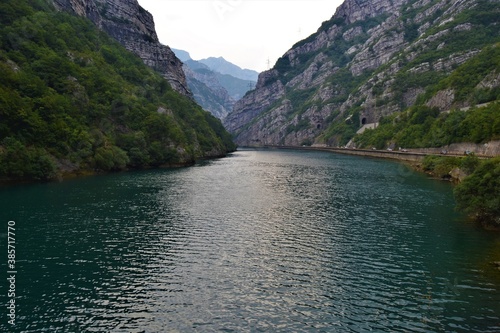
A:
{"points": [[132, 26], [357, 10], [208, 92], [255, 102], [443, 100], [458, 174], [373, 58]]}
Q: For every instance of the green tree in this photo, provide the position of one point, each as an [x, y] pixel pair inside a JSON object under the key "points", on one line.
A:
{"points": [[69, 92], [110, 158], [479, 194], [19, 161]]}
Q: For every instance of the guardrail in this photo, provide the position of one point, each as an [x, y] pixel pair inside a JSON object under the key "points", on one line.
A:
{"points": [[396, 155]]}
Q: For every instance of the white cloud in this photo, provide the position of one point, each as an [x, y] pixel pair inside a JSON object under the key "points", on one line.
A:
{"points": [[245, 32]]}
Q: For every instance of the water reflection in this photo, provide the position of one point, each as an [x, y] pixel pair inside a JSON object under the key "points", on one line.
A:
{"points": [[261, 241]]}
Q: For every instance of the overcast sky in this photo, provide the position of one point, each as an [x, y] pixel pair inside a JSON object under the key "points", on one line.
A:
{"points": [[248, 33]]}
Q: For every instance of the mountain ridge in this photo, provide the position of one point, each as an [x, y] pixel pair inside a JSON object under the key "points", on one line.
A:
{"points": [[85, 105], [134, 28], [207, 90], [214, 91], [221, 65], [371, 60]]}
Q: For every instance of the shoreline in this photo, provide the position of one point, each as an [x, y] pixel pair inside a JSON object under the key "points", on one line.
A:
{"points": [[80, 173], [411, 156]]}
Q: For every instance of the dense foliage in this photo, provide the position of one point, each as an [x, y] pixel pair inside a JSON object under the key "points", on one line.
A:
{"points": [[479, 194], [441, 166], [422, 126], [71, 98], [478, 190]]}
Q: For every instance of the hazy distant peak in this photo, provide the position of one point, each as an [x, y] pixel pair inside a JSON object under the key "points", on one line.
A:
{"points": [[196, 65], [182, 55], [223, 66]]}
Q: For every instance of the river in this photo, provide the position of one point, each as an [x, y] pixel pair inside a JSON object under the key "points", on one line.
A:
{"points": [[260, 241]]}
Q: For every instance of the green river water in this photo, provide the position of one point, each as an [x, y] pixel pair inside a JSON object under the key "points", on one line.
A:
{"points": [[260, 241]]}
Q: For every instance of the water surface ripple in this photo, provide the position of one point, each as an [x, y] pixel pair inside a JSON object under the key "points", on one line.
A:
{"points": [[265, 240]]}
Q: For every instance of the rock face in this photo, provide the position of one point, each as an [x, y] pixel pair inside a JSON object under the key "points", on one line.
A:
{"points": [[358, 10], [207, 90], [373, 58], [133, 27], [255, 102]]}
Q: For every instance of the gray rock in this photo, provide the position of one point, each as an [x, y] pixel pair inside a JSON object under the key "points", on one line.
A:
{"points": [[132, 26], [299, 99]]}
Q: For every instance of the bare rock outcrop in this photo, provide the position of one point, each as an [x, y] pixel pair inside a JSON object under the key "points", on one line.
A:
{"points": [[133, 27], [373, 58], [246, 121], [217, 102], [356, 10], [267, 91]]}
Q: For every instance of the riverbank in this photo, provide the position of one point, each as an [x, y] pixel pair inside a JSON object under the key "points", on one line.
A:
{"points": [[386, 154], [489, 150], [67, 172], [413, 159]]}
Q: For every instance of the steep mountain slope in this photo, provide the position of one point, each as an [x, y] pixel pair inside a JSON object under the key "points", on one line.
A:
{"points": [[207, 90], [72, 99], [214, 91], [372, 59], [236, 87], [133, 27]]}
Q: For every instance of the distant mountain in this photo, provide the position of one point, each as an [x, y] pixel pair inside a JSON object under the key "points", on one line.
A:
{"points": [[207, 90], [182, 55], [237, 88], [223, 66], [216, 92]]}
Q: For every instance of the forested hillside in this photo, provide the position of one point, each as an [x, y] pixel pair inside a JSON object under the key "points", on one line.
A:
{"points": [[425, 125], [72, 99]]}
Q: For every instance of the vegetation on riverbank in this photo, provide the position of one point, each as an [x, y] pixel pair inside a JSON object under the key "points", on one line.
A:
{"points": [[478, 192], [422, 126], [72, 99], [425, 127]]}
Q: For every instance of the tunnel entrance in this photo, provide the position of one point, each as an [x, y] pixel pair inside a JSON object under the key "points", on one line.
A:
{"points": [[363, 121]]}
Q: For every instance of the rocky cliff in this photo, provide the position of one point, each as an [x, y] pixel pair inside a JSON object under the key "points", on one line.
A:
{"points": [[207, 90], [372, 59], [133, 27]]}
